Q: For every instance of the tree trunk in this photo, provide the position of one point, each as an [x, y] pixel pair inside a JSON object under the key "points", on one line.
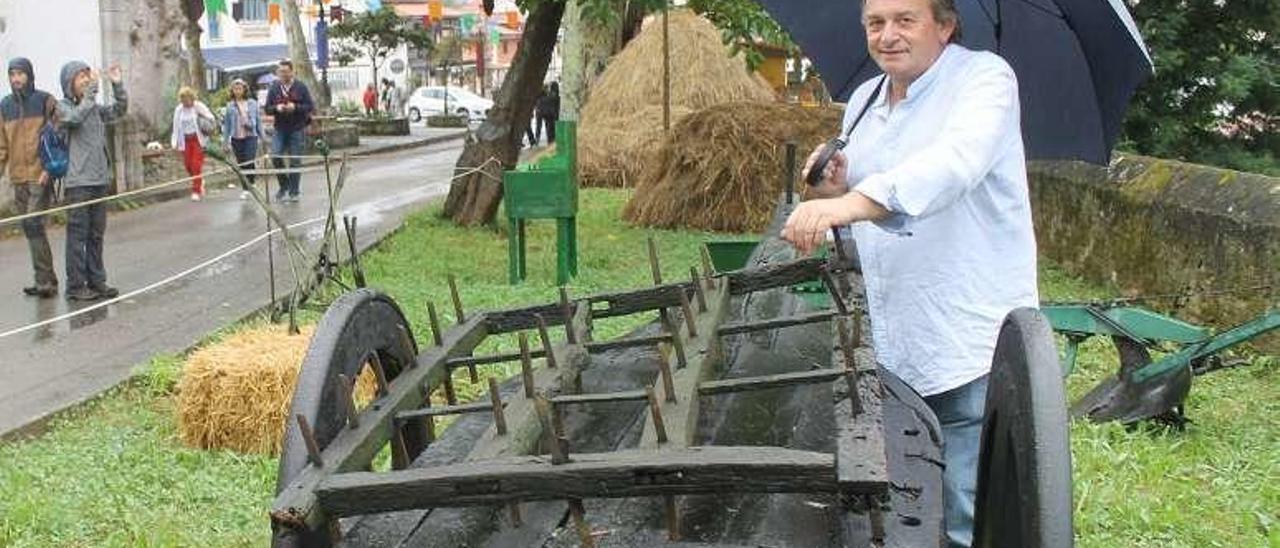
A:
{"points": [[299, 54], [588, 46], [474, 198], [191, 13]]}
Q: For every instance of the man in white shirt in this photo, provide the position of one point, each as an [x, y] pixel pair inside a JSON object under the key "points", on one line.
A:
{"points": [[934, 185]]}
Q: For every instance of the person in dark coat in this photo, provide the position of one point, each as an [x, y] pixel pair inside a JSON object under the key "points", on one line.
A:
{"points": [[548, 109]]}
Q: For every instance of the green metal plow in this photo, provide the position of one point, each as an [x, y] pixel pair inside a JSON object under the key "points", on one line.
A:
{"points": [[1145, 388]]}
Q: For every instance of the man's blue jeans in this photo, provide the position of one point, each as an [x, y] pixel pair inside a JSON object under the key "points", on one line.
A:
{"points": [[960, 411], [288, 143]]}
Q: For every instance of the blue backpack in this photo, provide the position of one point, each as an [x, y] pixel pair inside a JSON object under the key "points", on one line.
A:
{"points": [[54, 156]]}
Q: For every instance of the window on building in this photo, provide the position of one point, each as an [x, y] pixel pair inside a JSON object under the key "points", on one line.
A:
{"points": [[255, 11]]}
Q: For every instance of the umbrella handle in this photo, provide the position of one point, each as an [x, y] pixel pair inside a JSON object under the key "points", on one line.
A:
{"points": [[828, 151]]}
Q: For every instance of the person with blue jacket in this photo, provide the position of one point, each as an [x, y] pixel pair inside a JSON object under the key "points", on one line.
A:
{"points": [[242, 128]]}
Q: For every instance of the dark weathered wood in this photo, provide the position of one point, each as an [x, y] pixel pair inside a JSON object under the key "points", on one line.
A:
{"points": [[837, 296], [526, 365], [458, 313], [775, 323], [632, 342], [476, 407], [697, 289], [545, 337], [725, 386], [655, 267], [746, 281], [468, 361], [434, 318], [611, 305], [567, 310], [861, 462], [499, 417], [846, 349], [519, 319], [355, 448], [551, 435], [578, 399], [524, 431], [655, 414], [632, 473], [704, 354], [309, 437], [690, 321]]}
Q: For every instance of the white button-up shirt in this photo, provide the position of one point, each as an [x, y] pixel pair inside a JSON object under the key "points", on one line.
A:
{"points": [[958, 253]]}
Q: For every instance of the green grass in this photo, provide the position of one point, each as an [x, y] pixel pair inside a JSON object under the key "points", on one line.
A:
{"points": [[1215, 484], [112, 473]]}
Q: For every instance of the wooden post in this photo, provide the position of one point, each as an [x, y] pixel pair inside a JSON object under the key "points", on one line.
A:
{"points": [[546, 341], [495, 397], [697, 289], [655, 267], [847, 348], [436, 334], [309, 438], [690, 321], [656, 412], [566, 308], [457, 300], [526, 365]]}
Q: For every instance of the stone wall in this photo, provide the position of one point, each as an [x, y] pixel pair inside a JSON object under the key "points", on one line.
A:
{"points": [[1149, 226]]}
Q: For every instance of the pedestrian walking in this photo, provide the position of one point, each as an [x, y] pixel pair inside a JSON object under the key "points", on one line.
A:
{"points": [[548, 108], [289, 102], [242, 129], [23, 115], [370, 99], [193, 123], [84, 122]]}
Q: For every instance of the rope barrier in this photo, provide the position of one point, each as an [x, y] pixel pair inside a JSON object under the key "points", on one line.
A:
{"points": [[188, 179], [205, 264]]}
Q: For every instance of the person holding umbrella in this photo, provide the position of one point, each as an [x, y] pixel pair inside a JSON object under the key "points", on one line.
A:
{"points": [[934, 186]]}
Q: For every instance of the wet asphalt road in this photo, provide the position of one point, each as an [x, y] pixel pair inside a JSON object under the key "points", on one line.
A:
{"points": [[55, 366]]}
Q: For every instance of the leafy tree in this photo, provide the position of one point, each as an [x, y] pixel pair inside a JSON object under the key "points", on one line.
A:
{"points": [[742, 23], [474, 197], [1215, 95], [375, 35]]}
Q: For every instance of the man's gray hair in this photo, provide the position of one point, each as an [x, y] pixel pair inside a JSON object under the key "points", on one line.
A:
{"points": [[943, 11]]}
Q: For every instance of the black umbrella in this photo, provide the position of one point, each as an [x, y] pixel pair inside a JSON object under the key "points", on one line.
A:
{"points": [[1078, 61]]}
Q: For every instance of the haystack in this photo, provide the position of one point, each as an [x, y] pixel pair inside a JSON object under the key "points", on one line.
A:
{"points": [[722, 168], [621, 122], [235, 394]]}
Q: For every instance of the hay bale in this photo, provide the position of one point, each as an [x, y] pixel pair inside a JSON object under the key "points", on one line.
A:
{"points": [[621, 122], [235, 394], [722, 167]]}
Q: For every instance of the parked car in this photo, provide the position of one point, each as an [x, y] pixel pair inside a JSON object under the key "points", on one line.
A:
{"points": [[430, 100]]}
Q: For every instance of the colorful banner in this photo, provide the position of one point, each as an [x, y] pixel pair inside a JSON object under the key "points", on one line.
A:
{"points": [[273, 13], [436, 10], [214, 7]]}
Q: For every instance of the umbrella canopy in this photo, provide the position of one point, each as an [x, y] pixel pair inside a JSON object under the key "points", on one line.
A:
{"points": [[1078, 62]]}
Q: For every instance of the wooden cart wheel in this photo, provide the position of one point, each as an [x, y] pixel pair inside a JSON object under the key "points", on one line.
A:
{"points": [[358, 326], [1024, 465]]}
